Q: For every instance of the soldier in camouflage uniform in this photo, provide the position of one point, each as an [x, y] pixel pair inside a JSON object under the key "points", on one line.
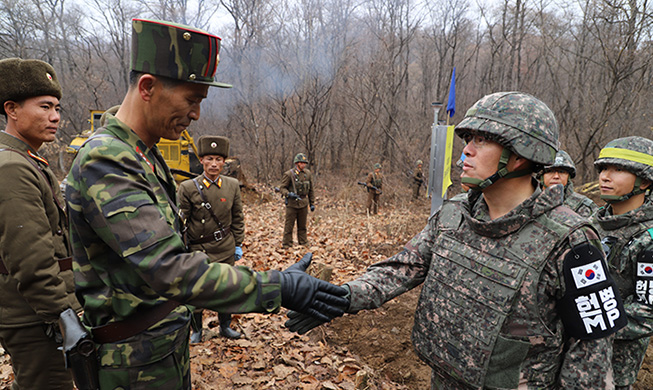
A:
{"points": [[213, 212], [560, 172], [36, 277], [297, 187], [418, 180], [626, 224], [133, 273], [515, 290], [374, 179]]}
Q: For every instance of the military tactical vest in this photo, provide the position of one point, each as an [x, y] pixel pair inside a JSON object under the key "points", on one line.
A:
{"points": [[377, 180], [301, 183], [577, 202], [473, 285]]}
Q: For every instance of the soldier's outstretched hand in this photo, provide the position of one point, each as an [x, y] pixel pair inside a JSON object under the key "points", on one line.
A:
{"points": [[309, 295]]}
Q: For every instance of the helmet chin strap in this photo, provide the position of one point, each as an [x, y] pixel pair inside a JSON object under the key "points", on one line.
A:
{"points": [[636, 191], [501, 172]]}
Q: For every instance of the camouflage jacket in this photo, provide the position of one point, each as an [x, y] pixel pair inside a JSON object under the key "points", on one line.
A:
{"points": [[376, 180], [128, 251], [33, 235], [301, 183], [625, 238], [532, 348], [224, 197], [581, 204]]}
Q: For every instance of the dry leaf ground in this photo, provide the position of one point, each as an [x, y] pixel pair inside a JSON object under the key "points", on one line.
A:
{"points": [[369, 350]]}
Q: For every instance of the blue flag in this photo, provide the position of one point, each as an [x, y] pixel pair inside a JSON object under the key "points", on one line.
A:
{"points": [[451, 102]]}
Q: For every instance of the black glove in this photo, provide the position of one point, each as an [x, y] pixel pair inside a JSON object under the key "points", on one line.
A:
{"points": [[302, 323], [292, 195], [312, 208], [309, 295]]}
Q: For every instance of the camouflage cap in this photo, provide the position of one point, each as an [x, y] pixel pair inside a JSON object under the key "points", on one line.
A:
{"points": [[520, 122], [300, 157], [214, 145], [564, 161], [21, 79], [176, 51], [634, 154]]}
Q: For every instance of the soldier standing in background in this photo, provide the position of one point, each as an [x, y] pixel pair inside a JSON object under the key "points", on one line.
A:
{"points": [[36, 277], [560, 172], [625, 168], [418, 180], [133, 273], [515, 289], [214, 219], [297, 187], [374, 179]]}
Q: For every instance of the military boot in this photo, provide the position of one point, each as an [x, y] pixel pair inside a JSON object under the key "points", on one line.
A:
{"points": [[225, 330], [196, 328]]}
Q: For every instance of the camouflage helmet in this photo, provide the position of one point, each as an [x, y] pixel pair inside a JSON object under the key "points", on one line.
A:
{"points": [[377, 166], [519, 121], [300, 157], [175, 51], [564, 161], [419, 162], [634, 154]]}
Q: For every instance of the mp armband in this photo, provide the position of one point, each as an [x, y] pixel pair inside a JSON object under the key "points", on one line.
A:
{"points": [[591, 307], [644, 278]]}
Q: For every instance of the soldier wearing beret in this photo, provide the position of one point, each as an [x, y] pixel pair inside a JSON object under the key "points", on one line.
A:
{"points": [[374, 189], [213, 212], [297, 187], [134, 275], [515, 289], [36, 277]]}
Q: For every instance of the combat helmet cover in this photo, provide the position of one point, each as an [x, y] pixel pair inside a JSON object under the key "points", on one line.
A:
{"points": [[300, 157], [519, 121], [564, 161], [634, 154]]}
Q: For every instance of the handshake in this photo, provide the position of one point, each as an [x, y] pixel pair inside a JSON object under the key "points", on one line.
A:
{"points": [[312, 302]]}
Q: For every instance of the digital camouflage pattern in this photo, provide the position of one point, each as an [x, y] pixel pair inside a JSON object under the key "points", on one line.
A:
{"points": [[632, 153], [521, 122], [129, 255], [564, 161], [527, 344], [580, 203], [625, 238], [176, 51]]}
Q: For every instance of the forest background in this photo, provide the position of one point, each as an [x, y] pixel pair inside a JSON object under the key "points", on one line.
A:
{"points": [[351, 82]]}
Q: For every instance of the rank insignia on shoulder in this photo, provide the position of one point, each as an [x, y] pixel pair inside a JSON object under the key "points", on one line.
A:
{"points": [[591, 307]]}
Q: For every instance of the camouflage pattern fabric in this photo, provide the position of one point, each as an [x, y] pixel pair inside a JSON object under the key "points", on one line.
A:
{"points": [[581, 204], [563, 160], [176, 51], [625, 237], [632, 153], [532, 349], [519, 121], [129, 255]]}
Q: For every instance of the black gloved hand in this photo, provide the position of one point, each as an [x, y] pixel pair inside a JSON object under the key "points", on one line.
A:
{"points": [[302, 323], [312, 207], [309, 295]]}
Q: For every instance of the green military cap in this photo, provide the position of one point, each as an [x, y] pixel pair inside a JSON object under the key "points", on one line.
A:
{"points": [[214, 145], [176, 51], [21, 79]]}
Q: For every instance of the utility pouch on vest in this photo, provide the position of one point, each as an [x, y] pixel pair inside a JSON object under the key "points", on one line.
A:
{"points": [[644, 278], [79, 351], [592, 307]]}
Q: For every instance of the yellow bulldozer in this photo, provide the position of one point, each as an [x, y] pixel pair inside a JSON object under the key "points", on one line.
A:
{"points": [[180, 155]]}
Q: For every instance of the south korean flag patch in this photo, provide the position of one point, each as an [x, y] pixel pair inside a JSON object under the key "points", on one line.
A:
{"points": [[591, 307], [644, 278]]}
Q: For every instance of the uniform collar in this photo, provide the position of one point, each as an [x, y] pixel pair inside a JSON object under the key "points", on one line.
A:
{"points": [[207, 182], [15, 143], [608, 221]]}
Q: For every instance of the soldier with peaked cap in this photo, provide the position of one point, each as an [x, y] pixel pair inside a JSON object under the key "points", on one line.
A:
{"points": [[625, 168], [297, 187], [213, 212], [374, 189], [561, 172], [133, 273], [36, 277], [418, 179], [515, 289]]}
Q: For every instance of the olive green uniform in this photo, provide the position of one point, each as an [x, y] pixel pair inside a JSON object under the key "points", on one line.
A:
{"points": [[301, 183], [35, 289], [224, 197], [418, 180], [376, 180]]}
